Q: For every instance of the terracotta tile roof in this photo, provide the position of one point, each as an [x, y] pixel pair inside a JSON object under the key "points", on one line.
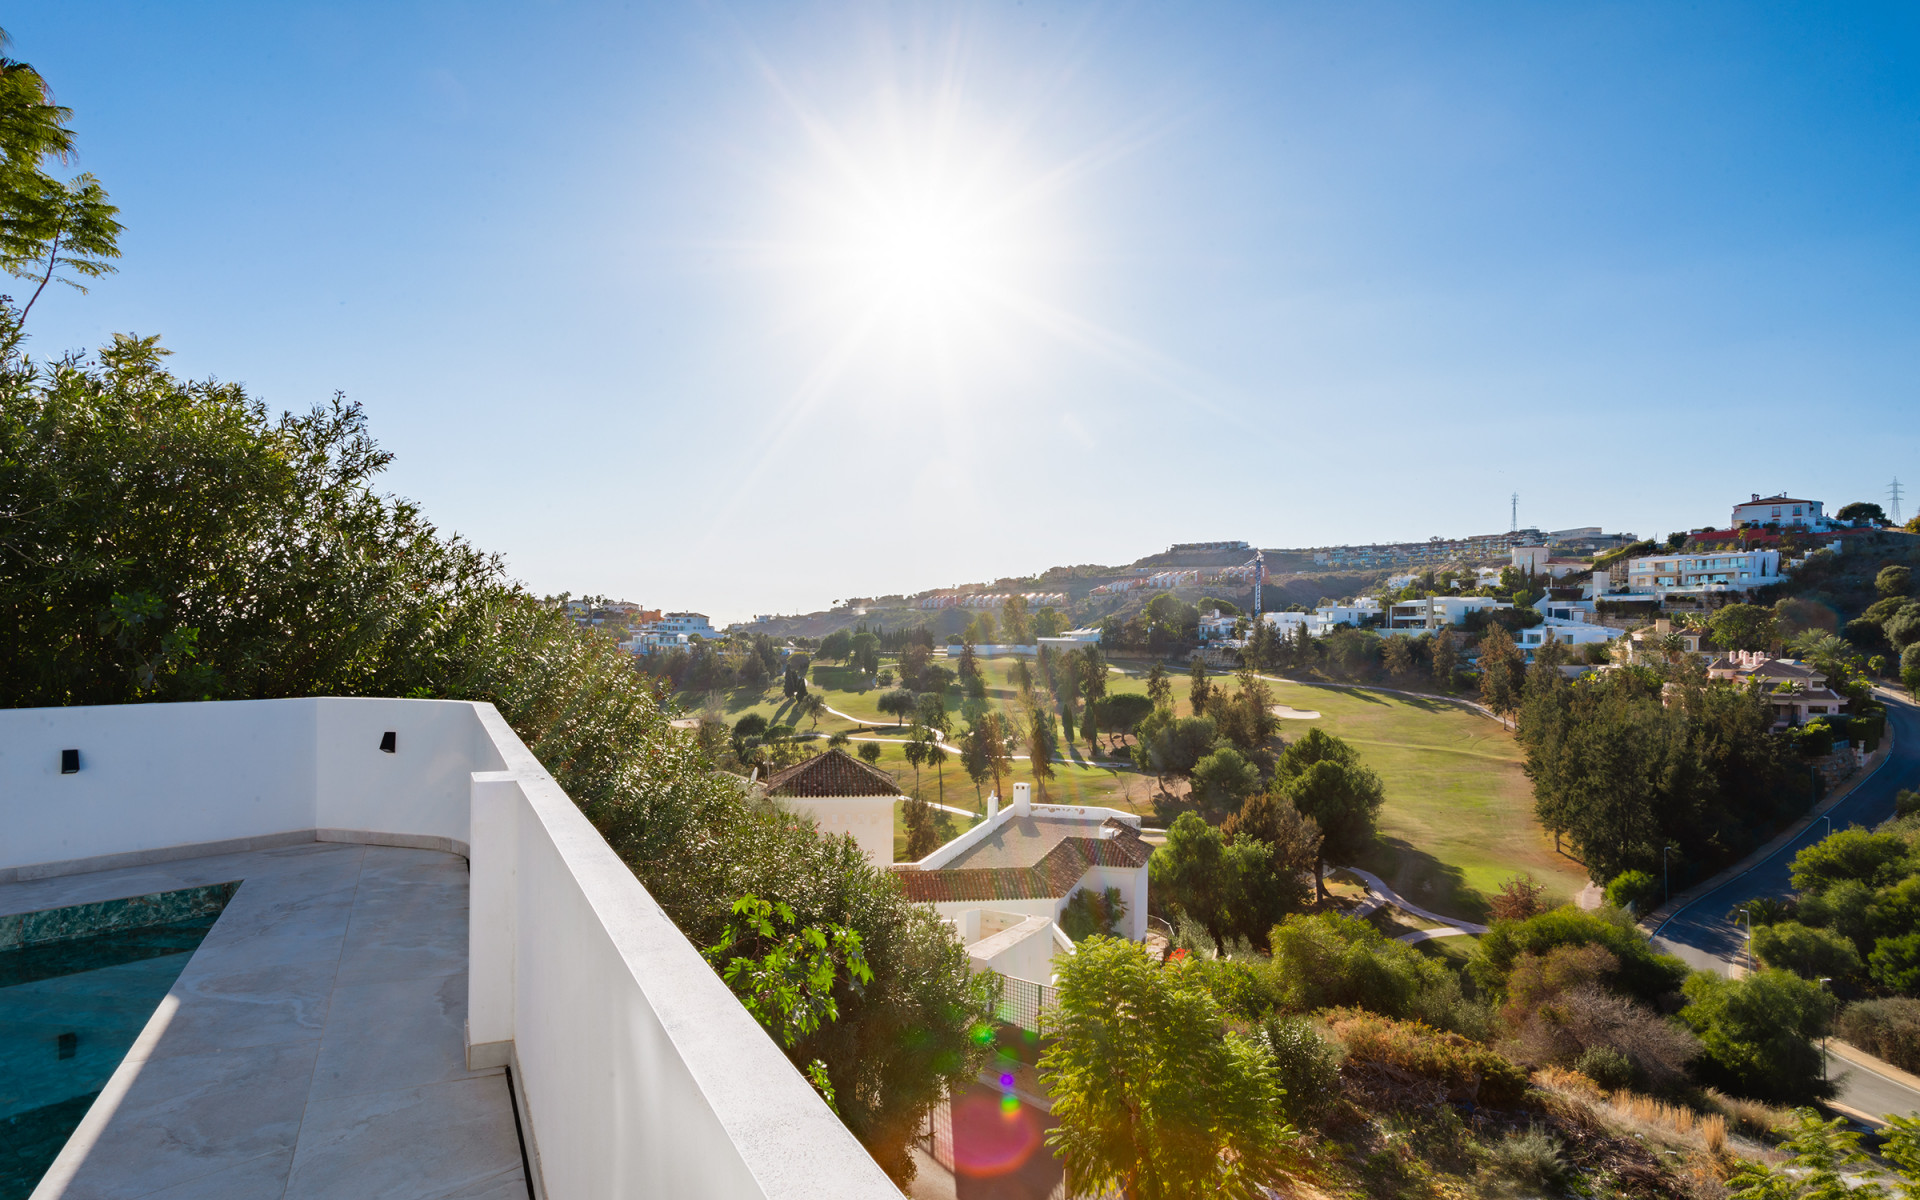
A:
{"points": [[1052, 878], [835, 773]]}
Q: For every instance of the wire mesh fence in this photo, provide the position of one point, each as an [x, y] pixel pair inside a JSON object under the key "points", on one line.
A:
{"points": [[1024, 1003]]}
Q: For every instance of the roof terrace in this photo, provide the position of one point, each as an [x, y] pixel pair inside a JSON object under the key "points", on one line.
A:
{"points": [[433, 979]]}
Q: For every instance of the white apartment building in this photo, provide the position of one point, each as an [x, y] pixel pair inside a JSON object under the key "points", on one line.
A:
{"points": [[1781, 510], [1439, 612], [1661, 575], [689, 623], [1564, 633], [1361, 611]]}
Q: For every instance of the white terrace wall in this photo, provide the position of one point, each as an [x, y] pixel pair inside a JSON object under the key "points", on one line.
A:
{"points": [[638, 1074]]}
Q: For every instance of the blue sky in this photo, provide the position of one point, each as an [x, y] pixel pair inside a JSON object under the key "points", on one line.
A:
{"points": [[747, 308]]}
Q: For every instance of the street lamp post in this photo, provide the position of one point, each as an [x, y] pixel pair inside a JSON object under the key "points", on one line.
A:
{"points": [[1823, 981], [1748, 914]]}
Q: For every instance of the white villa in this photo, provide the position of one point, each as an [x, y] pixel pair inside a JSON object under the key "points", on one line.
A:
{"points": [[1003, 884], [1795, 690], [844, 796], [1782, 510]]}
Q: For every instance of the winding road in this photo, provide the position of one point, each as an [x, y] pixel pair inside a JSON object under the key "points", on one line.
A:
{"points": [[1706, 938]]}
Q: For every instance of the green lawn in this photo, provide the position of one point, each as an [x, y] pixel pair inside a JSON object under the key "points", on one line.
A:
{"points": [[1458, 817], [1103, 782]]}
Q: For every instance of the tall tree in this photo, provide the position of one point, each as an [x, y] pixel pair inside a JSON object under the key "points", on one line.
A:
{"points": [[49, 229], [1323, 777], [916, 752], [1198, 689], [1093, 673], [1500, 671], [1159, 687], [1043, 742], [1189, 873], [1397, 655], [1013, 616], [1445, 658], [1154, 1099], [1742, 627]]}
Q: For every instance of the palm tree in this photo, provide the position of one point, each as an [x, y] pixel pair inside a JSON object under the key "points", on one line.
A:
{"points": [[916, 752], [937, 759]]}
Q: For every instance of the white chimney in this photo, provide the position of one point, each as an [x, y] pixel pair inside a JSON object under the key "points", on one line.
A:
{"points": [[1022, 799], [993, 806]]}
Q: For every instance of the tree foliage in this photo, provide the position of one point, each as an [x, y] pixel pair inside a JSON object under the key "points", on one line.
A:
{"points": [[169, 540], [1154, 1100]]}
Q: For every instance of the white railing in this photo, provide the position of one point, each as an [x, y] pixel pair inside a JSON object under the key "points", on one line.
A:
{"points": [[638, 1073]]}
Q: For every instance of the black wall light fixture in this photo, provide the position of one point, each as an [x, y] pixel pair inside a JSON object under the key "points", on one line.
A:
{"points": [[69, 762], [387, 741]]}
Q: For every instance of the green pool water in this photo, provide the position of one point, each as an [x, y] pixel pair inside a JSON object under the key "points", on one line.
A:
{"points": [[77, 985]]}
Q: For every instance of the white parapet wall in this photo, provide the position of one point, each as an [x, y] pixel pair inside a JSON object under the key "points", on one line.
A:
{"points": [[638, 1073]]}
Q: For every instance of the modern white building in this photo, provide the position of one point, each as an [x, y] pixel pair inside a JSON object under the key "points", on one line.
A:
{"points": [[1365, 610], [1284, 623], [1072, 639], [1781, 510], [1540, 560], [1700, 575], [690, 623], [1555, 631], [1439, 612]]}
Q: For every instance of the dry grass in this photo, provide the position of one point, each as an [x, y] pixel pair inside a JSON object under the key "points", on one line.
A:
{"points": [[1645, 1115], [1750, 1116]]}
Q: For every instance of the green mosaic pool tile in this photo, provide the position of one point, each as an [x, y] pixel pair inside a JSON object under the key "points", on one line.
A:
{"points": [[21, 930]]}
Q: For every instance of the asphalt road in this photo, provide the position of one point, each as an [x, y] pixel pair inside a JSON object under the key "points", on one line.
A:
{"points": [[1703, 935]]}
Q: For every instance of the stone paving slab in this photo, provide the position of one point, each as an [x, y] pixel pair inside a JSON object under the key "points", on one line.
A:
{"points": [[313, 1046]]}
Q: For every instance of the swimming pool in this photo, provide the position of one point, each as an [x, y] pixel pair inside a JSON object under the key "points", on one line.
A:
{"points": [[77, 985]]}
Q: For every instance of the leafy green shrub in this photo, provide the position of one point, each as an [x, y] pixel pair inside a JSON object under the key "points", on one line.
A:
{"points": [[1850, 854], [1643, 971], [1634, 890], [1468, 1070], [1758, 1033], [1906, 802], [1307, 1067], [1326, 961], [1531, 1158], [1606, 1066], [1895, 963], [1809, 953], [1888, 1028]]}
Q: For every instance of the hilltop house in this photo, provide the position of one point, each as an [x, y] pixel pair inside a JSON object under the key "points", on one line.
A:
{"points": [[1781, 510], [1647, 643], [1796, 690]]}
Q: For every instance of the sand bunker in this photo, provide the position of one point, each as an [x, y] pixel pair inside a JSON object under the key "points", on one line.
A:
{"points": [[1287, 712]]}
